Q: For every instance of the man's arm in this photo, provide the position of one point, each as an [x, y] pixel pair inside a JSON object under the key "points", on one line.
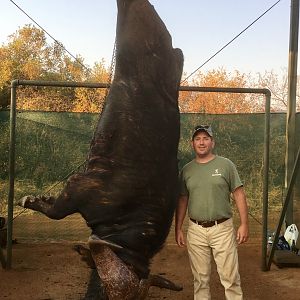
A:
{"points": [[241, 203], [179, 218]]}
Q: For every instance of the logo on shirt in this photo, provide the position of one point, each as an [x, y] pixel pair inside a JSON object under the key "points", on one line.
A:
{"points": [[216, 173]]}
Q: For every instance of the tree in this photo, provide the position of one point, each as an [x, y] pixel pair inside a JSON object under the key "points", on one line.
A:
{"points": [[92, 100], [27, 55], [278, 85], [218, 103]]}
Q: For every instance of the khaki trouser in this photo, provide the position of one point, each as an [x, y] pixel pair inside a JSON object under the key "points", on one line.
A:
{"points": [[219, 240]]}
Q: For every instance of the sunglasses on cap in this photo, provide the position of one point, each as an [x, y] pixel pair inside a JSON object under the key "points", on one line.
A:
{"points": [[206, 128]]}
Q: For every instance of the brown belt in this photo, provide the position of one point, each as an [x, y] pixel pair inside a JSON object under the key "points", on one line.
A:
{"points": [[209, 223]]}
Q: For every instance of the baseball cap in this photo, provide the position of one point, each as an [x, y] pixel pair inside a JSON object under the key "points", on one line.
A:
{"points": [[206, 128]]}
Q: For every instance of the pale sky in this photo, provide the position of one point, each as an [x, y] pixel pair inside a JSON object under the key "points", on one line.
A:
{"points": [[199, 28]]}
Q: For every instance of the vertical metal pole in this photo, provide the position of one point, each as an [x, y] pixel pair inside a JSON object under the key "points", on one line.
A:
{"points": [[266, 183], [10, 205], [291, 109]]}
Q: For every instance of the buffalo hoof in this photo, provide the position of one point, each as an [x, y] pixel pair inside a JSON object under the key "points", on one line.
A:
{"points": [[22, 202], [159, 281]]}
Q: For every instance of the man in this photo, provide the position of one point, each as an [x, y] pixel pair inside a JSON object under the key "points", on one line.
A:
{"points": [[206, 184]]}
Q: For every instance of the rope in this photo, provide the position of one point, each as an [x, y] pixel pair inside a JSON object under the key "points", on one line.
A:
{"points": [[54, 185], [110, 77], [65, 177], [112, 66], [55, 40], [254, 218], [230, 42]]}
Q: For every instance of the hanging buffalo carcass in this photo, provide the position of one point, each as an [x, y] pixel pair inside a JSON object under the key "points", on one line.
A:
{"points": [[128, 192]]}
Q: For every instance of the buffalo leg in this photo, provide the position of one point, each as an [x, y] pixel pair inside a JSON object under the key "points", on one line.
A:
{"points": [[119, 280], [144, 285], [54, 208]]}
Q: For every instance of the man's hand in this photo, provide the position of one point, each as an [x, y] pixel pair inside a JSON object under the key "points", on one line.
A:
{"points": [[241, 203], [179, 218], [242, 234], [180, 240]]}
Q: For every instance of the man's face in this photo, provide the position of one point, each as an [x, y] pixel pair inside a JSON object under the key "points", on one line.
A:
{"points": [[203, 144]]}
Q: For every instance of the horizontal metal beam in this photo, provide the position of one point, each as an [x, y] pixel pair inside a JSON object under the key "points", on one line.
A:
{"points": [[225, 90], [17, 82], [107, 85]]}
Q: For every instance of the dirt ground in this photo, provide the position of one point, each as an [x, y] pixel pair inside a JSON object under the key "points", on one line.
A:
{"points": [[53, 271]]}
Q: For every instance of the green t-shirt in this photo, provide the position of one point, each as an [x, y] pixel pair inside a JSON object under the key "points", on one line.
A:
{"points": [[208, 187]]}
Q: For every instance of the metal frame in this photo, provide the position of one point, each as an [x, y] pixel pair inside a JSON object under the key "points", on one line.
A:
{"points": [[16, 83]]}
